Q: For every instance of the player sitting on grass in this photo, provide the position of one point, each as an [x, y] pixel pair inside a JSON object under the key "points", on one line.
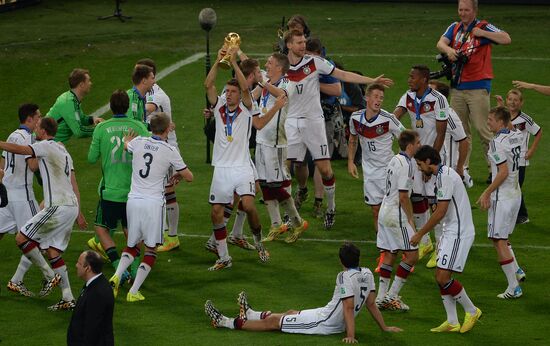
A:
{"points": [[354, 287]]}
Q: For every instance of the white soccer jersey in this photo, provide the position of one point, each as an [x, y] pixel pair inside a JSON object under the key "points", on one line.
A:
{"points": [[356, 283], [432, 107], [399, 177], [151, 159], [505, 147], [376, 137], [527, 127], [273, 133], [458, 221], [158, 97], [232, 134], [18, 176], [55, 168], [454, 134], [305, 99]]}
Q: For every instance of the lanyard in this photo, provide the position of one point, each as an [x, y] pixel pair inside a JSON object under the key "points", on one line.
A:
{"points": [[405, 154], [229, 119], [266, 95], [142, 99], [23, 127], [417, 105], [504, 130]]}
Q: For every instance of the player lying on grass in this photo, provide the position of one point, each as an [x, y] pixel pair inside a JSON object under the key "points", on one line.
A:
{"points": [[354, 287]]}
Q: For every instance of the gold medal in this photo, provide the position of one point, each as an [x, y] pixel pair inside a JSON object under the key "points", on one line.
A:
{"points": [[419, 123], [264, 110], [230, 138]]}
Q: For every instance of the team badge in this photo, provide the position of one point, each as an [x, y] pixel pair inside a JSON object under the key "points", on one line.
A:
{"points": [[379, 130], [307, 70], [426, 107], [409, 105]]}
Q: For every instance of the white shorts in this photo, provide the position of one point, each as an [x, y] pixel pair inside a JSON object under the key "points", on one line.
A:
{"points": [[52, 226], [270, 164], [229, 180], [310, 322], [394, 232], [145, 221], [420, 187], [502, 218], [16, 214], [306, 134], [373, 190], [452, 252]]}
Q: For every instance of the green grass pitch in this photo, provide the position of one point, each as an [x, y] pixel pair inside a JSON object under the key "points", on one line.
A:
{"points": [[41, 44]]}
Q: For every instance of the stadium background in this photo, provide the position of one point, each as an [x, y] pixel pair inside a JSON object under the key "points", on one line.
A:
{"points": [[40, 45]]}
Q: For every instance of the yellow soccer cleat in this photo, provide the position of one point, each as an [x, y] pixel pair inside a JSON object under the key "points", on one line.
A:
{"points": [[92, 244], [425, 249], [470, 320], [297, 232], [115, 284], [274, 232], [221, 264], [432, 263], [170, 243], [132, 298], [445, 327]]}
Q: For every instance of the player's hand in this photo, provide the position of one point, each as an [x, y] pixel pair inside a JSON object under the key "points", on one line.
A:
{"points": [[81, 221], [392, 329], [352, 169], [478, 32], [349, 340], [222, 52], [131, 134], [98, 120], [522, 85], [460, 171], [500, 100], [175, 179], [208, 113], [484, 201], [171, 127], [383, 80], [415, 239], [280, 102], [232, 51]]}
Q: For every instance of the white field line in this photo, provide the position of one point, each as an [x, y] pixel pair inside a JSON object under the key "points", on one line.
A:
{"points": [[340, 241], [170, 69]]}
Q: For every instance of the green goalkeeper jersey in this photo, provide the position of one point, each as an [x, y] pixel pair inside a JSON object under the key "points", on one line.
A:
{"points": [[70, 118], [137, 105], [116, 163]]}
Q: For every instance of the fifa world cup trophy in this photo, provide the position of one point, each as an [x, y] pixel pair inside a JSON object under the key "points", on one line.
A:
{"points": [[231, 40]]}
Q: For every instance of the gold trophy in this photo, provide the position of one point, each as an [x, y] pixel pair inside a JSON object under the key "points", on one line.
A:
{"points": [[231, 40]]}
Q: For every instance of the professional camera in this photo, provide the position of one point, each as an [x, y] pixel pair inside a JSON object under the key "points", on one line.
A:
{"points": [[450, 70]]}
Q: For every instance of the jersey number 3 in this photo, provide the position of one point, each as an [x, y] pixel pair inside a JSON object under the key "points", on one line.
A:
{"points": [[144, 172]]}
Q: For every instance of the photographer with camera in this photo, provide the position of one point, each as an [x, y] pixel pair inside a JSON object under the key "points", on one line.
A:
{"points": [[467, 44]]}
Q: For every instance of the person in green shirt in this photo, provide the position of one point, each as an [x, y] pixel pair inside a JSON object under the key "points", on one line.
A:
{"points": [[143, 79], [71, 120], [116, 167]]}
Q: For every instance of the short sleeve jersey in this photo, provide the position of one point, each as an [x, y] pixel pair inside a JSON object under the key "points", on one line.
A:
{"points": [[70, 118], [233, 129], [116, 163], [159, 98], [305, 100], [527, 126], [454, 133], [152, 158], [55, 165], [136, 110], [273, 134], [432, 108], [505, 148], [457, 222], [376, 138], [18, 177], [399, 177], [356, 283]]}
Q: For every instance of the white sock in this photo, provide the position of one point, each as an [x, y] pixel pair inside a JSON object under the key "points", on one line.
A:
{"points": [[212, 238], [290, 208], [516, 265], [227, 322], [273, 210], [463, 299], [396, 286], [126, 260], [450, 308], [66, 292], [330, 192], [510, 272], [253, 315], [383, 285], [37, 259], [22, 269], [221, 245], [142, 272], [238, 225], [173, 216]]}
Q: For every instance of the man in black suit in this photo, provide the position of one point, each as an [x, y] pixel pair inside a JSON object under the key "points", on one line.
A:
{"points": [[92, 320]]}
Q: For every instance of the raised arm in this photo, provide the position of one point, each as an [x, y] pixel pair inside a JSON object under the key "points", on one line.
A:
{"points": [[351, 77], [210, 81], [245, 93], [543, 89]]}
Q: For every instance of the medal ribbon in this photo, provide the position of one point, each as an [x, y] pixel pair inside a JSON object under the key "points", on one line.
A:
{"points": [[266, 95], [418, 104], [229, 118]]}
